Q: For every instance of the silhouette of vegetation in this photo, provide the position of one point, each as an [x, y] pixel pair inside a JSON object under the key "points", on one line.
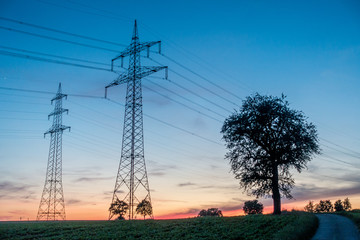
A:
{"points": [[265, 139], [347, 204], [310, 207], [265, 227], [324, 206], [119, 208], [211, 212], [253, 207], [144, 208], [338, 206]]}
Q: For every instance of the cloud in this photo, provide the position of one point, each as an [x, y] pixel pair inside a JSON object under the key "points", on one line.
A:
{"points": [[92, 179], [186, 184], [12, 187], [311, 191], [199, 123], [160, 169], [158, 174], [11, 190], [169, 200], [73, 202]]}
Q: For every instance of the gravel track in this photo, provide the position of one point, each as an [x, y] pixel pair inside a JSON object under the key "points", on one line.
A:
{"points": [[335, 227]]}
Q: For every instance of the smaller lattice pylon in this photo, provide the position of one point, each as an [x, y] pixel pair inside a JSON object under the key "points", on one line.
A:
{"points": [[52, 205]]}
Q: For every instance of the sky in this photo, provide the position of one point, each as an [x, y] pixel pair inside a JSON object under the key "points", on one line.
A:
{"points": [[218, 53]]}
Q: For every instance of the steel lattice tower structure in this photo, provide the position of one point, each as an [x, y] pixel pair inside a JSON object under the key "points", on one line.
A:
{"points": [[132, 184], [52, 206]]}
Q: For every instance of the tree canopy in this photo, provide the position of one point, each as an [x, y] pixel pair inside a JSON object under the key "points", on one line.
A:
{"points": [[265, 139], [119, 208], [144, 208], [211, 212], [253, 207]]}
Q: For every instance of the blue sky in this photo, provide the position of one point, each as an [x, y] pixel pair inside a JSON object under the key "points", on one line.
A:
{"points": [[308, 51]]}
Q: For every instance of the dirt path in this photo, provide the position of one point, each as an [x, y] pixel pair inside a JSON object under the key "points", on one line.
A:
{"points": [[335, 227]]}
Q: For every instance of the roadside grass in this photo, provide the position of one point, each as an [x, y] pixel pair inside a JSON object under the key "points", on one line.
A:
{"points": [[354, 215], [291, 226]]}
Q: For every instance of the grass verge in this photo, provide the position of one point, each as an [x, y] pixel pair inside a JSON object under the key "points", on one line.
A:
{"points": [[292, 226]]}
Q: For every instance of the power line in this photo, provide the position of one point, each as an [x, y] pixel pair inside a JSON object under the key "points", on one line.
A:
{"points": [[46, 92], [347, 149], [50, 60], [58, 39], [190, 91], [187, 99], [197, 84], [62, 32], [338, 160], [207, 80], [55, 56], [170, 125], [182, 104], [349, 154]]}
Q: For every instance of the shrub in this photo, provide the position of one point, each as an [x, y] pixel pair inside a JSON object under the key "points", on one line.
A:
{"points": [[338, 205], [253, 207], [310, 207], [211, 212], [347, 204], [324, 206]]}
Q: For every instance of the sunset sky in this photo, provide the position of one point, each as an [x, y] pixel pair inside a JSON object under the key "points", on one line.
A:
{"points": [[218, 52]]}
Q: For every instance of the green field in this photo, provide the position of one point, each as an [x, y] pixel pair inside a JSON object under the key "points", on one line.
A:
{"points": [[288, 226]]}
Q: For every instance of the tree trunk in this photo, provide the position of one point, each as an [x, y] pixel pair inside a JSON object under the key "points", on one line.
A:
{"points": [[276, 192]]}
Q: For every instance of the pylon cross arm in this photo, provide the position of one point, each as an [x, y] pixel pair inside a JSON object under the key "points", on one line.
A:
{"points": [[140, 73], [57, 129], [146, 71], [58, 96], [58, 111], [123, 78], [138, 48]]}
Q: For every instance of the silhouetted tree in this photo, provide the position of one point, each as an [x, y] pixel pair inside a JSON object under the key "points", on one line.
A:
{"points": [[211, 212], [253, 207], [144, 208], [310, 207], [119, 208], [324, 206], [338, 206], [265, 139], [347, 204]]}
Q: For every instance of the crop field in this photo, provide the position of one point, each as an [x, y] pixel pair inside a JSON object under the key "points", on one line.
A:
{"points": [[288, 226]]}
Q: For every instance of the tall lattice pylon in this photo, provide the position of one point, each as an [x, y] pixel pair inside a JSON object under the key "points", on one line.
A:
{"points": [[132, 184], [52, 206]]}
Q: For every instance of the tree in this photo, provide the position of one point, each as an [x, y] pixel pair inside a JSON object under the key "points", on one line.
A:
{"points": [[347, 204], [144, 208], [324, 206], [338, 206], [211, 212], [119, 208], [310, 207], [253, 207], [265, 139]]}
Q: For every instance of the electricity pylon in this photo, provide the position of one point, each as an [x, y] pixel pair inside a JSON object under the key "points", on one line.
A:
{"points": [[132, 184], [52, 206]]}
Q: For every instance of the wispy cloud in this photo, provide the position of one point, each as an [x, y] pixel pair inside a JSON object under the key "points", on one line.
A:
{"points": [[158, 169], [92, 179], [186, 184], [73, 202], [13, 190], [311, 191]]}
